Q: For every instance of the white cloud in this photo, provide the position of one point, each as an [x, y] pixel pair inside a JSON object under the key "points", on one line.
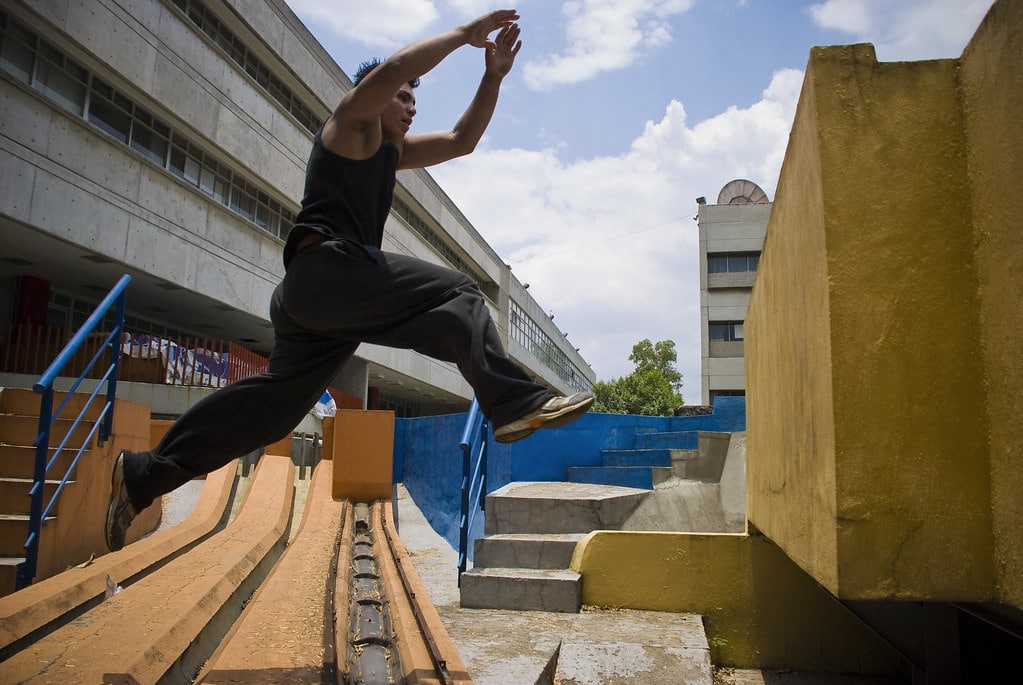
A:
{"points": [[470, 9], [906, 30], [381, 23], [608, 243], [603, 35]]}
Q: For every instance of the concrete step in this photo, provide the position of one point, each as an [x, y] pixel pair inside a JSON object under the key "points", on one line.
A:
{"points": [[22, 430], [522, 589], [638, 457], [548, 507], [636, 647], [525, 550], [640, 477], [19, 461], [14, 533], [9, 574], [15, 495], [668, 439], [25, 402]]}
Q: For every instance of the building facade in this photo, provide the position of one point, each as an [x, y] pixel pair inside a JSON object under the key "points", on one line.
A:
{"points": [[169, 141], [731, 239]]}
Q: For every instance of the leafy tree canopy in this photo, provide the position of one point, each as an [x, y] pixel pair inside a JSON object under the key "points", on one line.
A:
{"points": [[652, 389]]}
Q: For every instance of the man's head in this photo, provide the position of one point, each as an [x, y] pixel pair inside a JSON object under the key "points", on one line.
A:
{"points": [[396, 118], [370, 65]]}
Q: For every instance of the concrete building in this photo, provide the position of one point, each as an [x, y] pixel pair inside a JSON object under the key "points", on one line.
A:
{"points": [[170, 143], [731, 239]]}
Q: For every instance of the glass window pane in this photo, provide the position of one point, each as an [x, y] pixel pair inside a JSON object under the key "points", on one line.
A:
{"points": [[221, 189], [242, 202], [737, 332], [60, 86], [113, 120], [207, 180], [191, 171], [717, 264], [754, 261], [146, 141], [16, 53], [718, 331], [737, 263]]}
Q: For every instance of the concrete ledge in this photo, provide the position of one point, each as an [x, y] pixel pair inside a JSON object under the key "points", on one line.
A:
{"points": [[48, 604], [522, 589], [289, 642], [525, 550], [171, 617], [543, 507], [759, 608]]}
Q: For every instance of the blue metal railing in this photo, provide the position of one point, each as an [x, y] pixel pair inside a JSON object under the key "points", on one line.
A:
{"points": [[47, 415], [474, 479]]}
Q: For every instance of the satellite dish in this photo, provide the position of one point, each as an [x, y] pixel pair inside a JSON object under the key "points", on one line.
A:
{"points": [[742, 192]]}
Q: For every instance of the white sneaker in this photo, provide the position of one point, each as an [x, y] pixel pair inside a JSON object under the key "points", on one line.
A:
{"points": [[557, 411]]}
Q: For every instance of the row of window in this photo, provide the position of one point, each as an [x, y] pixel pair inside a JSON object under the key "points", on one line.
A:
{"points": [[225, 39], [529, 334], [416, 223], [69, 313], [33, 61], [732, 262]]}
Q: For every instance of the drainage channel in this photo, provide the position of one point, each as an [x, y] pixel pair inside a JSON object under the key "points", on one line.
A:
{"points": [[394, 635], [372, 655]]}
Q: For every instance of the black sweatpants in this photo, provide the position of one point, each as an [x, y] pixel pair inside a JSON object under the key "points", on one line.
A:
{"points": [[330, 300]]}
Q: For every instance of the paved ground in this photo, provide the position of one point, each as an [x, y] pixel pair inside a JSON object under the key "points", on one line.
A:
{"points": [[597, 647], [594, 647]]}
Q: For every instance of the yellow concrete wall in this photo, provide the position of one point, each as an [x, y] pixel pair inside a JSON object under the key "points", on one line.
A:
{"points": [[760, 610], [883, 454], [992, 86]]}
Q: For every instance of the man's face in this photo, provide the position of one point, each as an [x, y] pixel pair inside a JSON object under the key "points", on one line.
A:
{"points": [[396, 118]]}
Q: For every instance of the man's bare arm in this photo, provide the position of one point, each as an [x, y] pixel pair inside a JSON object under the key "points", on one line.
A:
{"points": [[353, 130], [423, 150]]}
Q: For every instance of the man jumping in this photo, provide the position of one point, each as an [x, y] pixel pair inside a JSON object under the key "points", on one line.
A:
{"points": [[340, 289]]}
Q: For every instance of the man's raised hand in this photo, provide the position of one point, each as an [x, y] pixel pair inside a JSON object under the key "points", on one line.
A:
{"points": [[477, 31], [501, 52]]}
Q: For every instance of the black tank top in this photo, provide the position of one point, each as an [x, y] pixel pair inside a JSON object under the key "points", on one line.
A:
{"points": [[346, 199]]}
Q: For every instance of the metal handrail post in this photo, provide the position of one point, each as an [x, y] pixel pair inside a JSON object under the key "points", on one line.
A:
{"points": [[107, 427], [27, 570]]}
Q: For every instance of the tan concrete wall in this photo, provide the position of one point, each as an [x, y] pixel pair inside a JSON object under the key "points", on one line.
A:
{"points": [[759, 609], [883, 447], [69, 542], [992, 87], [362, 448]]}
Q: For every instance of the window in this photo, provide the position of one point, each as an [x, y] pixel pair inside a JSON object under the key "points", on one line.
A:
{"points": [[17, 49], [224, 38], [726, 331], [732, 262], [47, 70], [528, 334], [110, 111], [60, 79]]}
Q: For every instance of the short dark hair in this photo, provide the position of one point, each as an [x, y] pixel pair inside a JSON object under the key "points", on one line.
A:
{"points": [[370, 65]]}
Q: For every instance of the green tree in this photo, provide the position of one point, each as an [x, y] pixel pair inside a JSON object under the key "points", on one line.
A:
{"points": [[652, 389]]}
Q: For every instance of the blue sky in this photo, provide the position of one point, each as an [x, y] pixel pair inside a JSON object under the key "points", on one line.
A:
{"points": [[617, 115]]}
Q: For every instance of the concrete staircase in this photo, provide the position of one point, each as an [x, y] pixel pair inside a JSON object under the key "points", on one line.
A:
{"points": [[19, 426], [532, 528], [646, 458], [639, 458]]}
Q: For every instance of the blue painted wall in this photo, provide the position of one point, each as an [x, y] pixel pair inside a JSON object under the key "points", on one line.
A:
{"points": [[428, 461]]}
